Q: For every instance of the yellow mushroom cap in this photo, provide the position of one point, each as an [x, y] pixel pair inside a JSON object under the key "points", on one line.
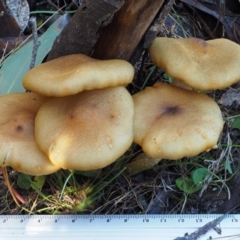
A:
{"points": [[171, 123], [86, 131], [74, 73], [18, 148], [203, 65]]}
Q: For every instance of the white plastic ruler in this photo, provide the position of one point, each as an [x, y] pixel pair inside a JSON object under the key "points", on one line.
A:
{"points": [[114, 227]]}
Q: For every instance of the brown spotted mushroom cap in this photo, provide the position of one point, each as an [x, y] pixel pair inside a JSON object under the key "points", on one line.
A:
{"points": [[171, 123], [18, 148], [74, 73], [86, 131], [203, 65]]}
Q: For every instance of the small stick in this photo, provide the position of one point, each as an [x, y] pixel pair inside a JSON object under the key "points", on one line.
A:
{"points": [[206, 228], [36, 42], [4, 51], [203, 230]]}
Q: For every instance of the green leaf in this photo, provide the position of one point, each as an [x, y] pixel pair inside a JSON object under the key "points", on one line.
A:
{"points": [[24, 181], [168, 78], [236, 123], [199, 175], [228, 166], [195, 183], [17, 64], [187, 185]]}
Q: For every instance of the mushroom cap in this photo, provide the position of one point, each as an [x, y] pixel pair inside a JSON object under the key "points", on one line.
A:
{"points": [[86, 131], [74, 73], [203, 65], [171, 123], [18, 148]]}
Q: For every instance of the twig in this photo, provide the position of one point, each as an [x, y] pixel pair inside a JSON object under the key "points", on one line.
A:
{"points": [[4, 51], [36, 42], [203, 230], [206, 228], [27, 39]]}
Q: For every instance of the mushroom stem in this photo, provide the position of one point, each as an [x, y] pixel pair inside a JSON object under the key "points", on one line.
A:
{"points": [[15, 195], [141, 163]]}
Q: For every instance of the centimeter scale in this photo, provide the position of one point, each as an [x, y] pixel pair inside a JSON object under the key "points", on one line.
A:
{"points": [[115, 227]]}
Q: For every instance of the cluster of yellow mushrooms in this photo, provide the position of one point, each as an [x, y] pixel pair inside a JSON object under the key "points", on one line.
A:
{"points": [[80, 116]]}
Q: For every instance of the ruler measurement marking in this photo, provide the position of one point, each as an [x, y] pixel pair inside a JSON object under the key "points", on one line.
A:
{"points": [[22, 218], [112, 226]]}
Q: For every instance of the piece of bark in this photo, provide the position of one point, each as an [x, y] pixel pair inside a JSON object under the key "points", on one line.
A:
{"points": [[121, 37], [81, 33], [8, 25], [156, 27], [118, 39], [152, 32]]}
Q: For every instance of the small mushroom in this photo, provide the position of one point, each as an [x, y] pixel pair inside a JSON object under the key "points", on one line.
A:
{"points": [[86, 131], [18, 148], [171, 122], [203, 65], [74, 73]]}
